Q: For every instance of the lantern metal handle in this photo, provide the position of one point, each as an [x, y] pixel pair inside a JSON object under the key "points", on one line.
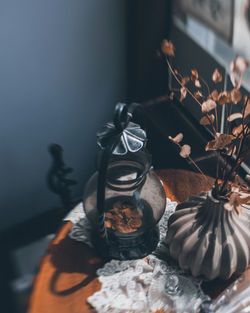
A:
{"points": [[122, 116]]}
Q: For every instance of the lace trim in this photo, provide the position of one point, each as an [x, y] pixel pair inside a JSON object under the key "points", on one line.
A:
{"points": [[141, 285]]}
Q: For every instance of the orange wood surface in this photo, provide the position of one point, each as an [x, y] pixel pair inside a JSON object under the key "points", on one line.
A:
{"points": [[66, 277], [67, 273]]}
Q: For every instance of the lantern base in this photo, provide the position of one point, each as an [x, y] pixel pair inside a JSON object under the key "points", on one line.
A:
{"points": [[127, 247]]}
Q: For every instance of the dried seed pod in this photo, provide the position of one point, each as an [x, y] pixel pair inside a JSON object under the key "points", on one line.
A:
{"points": [[185, 151], [208, 105], [135, 223], [216, 77], [177, 139]]}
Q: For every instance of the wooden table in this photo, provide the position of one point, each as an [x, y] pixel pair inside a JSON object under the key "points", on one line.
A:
{"points": [[67, 273]]}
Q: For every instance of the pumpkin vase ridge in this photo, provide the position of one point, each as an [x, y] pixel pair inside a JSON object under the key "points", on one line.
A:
{"points": [[209, 240]]}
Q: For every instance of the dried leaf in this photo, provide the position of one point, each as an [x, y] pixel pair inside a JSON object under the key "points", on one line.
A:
{"points": [[236, 96], [247, 178], [208, 105], [234, 116], [224, 97], [237, 67], [185, 80], [167, 47], [237, 130], [216, 77], [223, 140], [241, 64], [207, 120], [231, 150], [215, 95], [195, 78], [197, 83], [245, 189], [211, 145], [185, 151], [194, 75], [235, 188], [220, 142], [198, 94], [183, 92], [236, 180], [247, 109], [245, 199], [234, 203], [236, 79], [242, 191], [178, 138]]}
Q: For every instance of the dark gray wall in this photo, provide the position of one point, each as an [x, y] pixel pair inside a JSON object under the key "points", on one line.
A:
{"points": [[148, 24], [62, 69]]}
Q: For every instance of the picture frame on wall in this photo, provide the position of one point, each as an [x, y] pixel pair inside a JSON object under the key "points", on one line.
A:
{"points": [[216, 14], [241, 36]]}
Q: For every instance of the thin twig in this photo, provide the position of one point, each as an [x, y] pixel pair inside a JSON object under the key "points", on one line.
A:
{"points": [[193, 162], [182, 85], [228, 114], [236, 164], [204, 176], [190, 93], [205, 83], [217, 171], [216, 119]]}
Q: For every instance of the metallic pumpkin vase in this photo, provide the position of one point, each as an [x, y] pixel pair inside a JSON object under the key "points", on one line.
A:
{"points": [[207, 239]]}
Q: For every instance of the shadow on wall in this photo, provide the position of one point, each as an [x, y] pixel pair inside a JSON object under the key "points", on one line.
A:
{"points": [[63, 68], [57, 179]]}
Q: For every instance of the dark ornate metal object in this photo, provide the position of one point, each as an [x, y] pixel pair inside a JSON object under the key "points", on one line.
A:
{"points": [[124, 200]]}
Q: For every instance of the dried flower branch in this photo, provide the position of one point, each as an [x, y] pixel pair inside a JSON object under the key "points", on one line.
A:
{"points": [[234, 144], [185, 151], [195, 78]]}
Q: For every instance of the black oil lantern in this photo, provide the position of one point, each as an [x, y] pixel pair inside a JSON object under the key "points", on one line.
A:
{"points": [[124, 199]]}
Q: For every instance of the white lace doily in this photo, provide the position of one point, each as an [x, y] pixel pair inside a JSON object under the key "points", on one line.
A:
{"points": [[138, 286]]}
